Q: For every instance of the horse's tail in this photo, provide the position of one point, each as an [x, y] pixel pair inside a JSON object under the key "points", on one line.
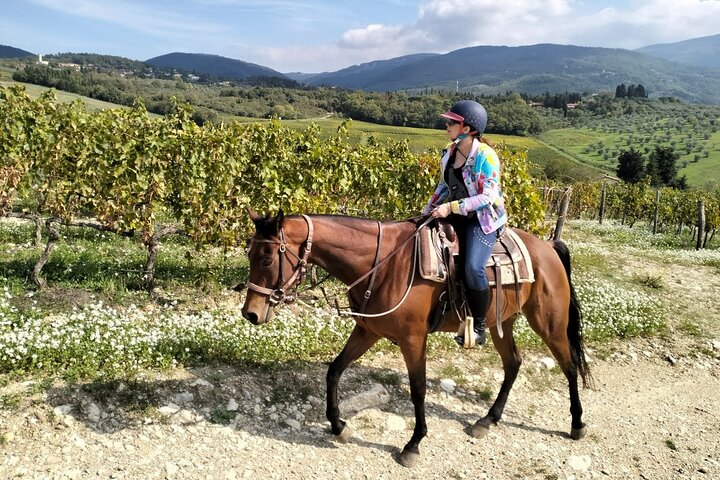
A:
{"points": [[574, 328]]}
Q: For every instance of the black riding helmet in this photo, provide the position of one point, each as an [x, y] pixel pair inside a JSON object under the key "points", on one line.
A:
{"points": [[471, 113]]}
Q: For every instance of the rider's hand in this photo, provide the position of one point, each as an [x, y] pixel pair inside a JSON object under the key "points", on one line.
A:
{"points": [[441, 211]]}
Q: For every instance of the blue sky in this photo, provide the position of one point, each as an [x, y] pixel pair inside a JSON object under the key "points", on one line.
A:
{"points": [[324, 35]]}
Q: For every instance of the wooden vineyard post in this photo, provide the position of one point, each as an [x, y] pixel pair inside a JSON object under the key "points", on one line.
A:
{"points": [[700, 225], [561, 215], [655, 215], [602, 202]]}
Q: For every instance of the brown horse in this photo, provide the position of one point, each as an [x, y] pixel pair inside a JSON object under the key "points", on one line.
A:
{"points": [[348, 248]]}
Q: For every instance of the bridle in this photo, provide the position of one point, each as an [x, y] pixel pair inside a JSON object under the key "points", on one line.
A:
{"points": [[277, 294]]}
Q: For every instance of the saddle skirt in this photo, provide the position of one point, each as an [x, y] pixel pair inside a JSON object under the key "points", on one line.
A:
{"points": [[510, 260]]}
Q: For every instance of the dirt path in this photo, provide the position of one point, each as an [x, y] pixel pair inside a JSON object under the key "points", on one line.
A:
{"points": [[648, 418]]}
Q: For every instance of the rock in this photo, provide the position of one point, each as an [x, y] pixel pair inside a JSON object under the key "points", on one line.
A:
{"points": [[716, 344], [671, 360], [79, 442], [547, 362], [580, 463], [169, 409], [183, 398], [395, 423], [199, 382], [186, 416], [94, 413], [314, 400], [375, 396], [171, 469], [232, 405], [62, 410], [448, 385], [633, 356], [292, 423], [647, 353]]}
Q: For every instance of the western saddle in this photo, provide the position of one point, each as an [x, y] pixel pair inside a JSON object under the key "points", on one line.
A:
{"points": [[438, 252]]}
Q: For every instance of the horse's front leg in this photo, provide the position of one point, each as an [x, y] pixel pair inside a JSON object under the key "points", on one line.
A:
{"points": [[414, 351], [358, 343]]}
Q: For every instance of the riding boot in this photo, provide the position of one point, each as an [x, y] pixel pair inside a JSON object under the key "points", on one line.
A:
{"points": [[479, 301]]}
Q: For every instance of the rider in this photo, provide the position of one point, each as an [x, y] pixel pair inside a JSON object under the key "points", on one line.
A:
{"points": [[469, 190]]}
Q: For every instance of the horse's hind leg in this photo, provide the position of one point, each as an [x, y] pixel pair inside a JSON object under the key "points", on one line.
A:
{"points": [[358, 343], [560, 347], [511, 360], [553, 331]]}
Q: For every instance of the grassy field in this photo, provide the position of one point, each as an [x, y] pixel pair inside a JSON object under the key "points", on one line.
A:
{"points": [[35, 91], [692, 131]]}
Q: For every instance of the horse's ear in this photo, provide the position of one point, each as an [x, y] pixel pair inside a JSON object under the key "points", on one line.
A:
{"points": [[254, 216], [279, 219]]}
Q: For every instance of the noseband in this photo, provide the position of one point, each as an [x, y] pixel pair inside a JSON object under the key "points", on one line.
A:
{"points": [[278, 293]]}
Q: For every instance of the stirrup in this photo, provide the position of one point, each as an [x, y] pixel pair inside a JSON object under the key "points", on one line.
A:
{"points": [[469, 338]]}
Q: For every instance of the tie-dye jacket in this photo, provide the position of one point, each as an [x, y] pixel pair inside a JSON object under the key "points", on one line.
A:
{"points": [[481, 174]]}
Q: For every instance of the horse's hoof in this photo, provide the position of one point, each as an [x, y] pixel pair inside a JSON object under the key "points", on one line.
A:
{"points": [[344, 436], [479, 430], [409, 459], [578, 433]]}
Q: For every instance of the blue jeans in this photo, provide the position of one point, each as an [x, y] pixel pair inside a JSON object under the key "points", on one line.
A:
{"points": [[478, 248]]}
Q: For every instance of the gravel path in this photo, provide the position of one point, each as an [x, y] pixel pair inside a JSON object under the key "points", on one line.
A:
{"points": [[654, 414]]}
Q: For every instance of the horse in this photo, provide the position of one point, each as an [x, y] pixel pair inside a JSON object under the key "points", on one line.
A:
{"points": [[400, 303]]}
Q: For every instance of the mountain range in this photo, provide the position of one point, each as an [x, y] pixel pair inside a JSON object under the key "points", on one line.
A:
{"points": [[531, 69], [701, 52], [689, 70]]}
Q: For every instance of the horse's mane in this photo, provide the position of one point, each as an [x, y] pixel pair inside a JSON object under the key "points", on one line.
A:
{"points": [[351, 219]]}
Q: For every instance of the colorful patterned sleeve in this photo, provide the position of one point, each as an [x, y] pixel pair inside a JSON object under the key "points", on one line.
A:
{"points": [[437, 198], [488, 182]]}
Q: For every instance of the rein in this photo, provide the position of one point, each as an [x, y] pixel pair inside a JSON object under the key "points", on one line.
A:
{"points": [[374, 270]]}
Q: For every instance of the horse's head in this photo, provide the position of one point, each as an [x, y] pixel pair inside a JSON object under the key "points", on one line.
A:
{"points": [[271, 271]]}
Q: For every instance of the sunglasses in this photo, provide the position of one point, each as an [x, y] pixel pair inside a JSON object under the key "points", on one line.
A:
{"points": [[449, 123]]}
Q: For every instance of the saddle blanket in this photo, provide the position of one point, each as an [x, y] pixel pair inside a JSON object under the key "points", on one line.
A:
{"points": [[438, 245]]}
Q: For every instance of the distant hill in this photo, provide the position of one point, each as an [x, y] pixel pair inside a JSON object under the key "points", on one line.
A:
{"points": [[107, 62], [702, 51], [534, 69], [358, 76], [301, 77], [7, 51], [212, 65]]}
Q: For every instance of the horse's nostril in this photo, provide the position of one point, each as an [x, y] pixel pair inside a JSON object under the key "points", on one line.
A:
{"points": [[251, 317]]}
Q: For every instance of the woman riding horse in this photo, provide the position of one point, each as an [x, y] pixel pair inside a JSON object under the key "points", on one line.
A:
{"points": [[469, 191]]}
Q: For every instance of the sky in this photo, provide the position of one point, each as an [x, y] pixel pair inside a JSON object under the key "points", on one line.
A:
{"points": [[325, 35]]}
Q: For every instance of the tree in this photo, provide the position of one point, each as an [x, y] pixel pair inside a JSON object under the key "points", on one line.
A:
{"points": [[666, 160], [630, 166], [620, 91]]}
